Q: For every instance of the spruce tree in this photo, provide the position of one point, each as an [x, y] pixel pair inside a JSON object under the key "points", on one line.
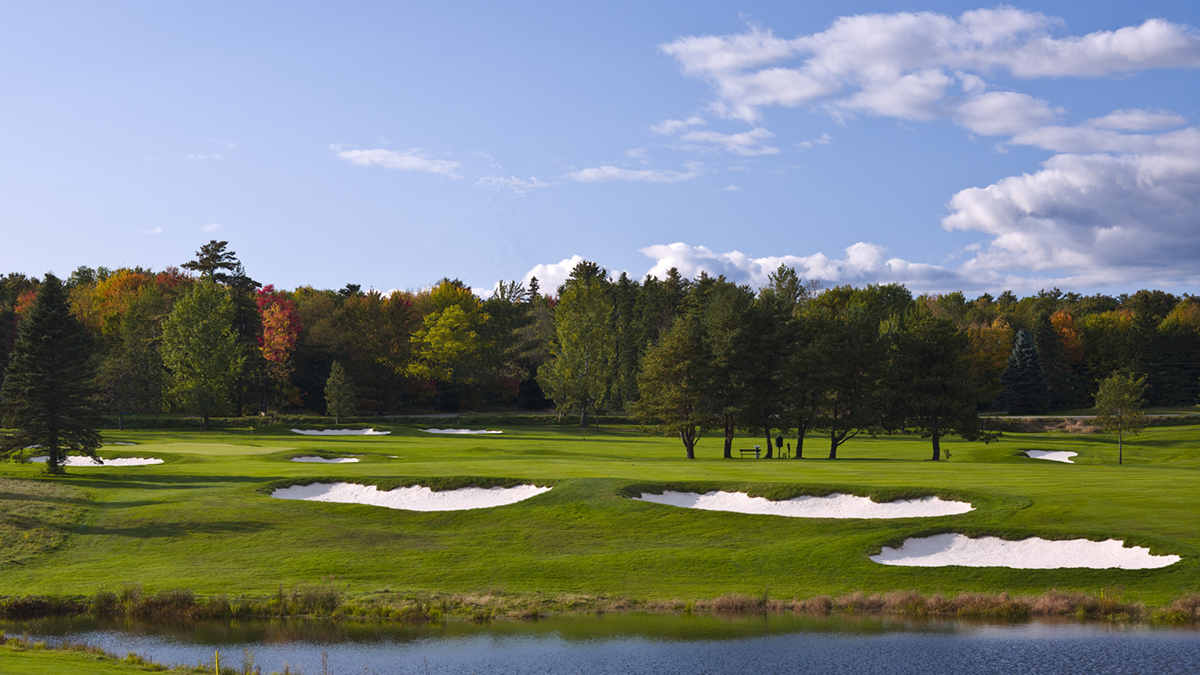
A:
{"points": [[341, 398], [1025, 385], [47, 396]]}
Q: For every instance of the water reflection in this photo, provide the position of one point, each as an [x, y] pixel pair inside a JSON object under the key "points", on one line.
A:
{"points": [[640, 643]]}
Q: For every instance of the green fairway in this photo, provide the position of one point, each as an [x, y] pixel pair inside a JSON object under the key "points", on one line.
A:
{"points": [[203, 521]]}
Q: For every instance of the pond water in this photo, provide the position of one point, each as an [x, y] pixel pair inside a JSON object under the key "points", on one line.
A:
{"points": [[652, 644]]}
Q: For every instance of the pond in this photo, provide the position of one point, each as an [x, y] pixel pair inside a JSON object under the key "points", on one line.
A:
{"points": [[652, 644]]}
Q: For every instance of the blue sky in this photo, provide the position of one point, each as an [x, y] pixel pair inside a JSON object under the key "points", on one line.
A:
{"points": [[944, 145]]}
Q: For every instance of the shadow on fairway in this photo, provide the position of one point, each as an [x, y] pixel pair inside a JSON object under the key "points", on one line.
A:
{"points": [[157, 482], [175, 530], [12, 496]]}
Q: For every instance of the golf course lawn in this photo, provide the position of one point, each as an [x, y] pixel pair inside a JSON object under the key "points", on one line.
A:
{"points": [[204, 519]]}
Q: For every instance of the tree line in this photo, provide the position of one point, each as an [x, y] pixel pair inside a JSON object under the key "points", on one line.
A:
{"points": [[689, 354]]}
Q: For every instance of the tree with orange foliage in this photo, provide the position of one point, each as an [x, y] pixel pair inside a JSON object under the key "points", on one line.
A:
{"points": [[991, 345], [280, 328]]}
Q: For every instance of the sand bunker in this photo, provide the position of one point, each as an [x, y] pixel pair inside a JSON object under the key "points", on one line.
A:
{"points": [[832, 506], [78, 460], [1028, 554], [339, 432], [1052, 455], [412, 498], [325, 460], [461, 431], [120, 443]]}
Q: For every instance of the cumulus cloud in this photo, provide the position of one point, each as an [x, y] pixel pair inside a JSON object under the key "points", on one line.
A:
{"points": [[413, 159], [1116, 204], [603, 174], [1137, 120], [904, 64], [157, 230], [1127, 215], [1004, 113], [517, 185], [550, 276], [636, 153], [862, 263], [211, 227]]}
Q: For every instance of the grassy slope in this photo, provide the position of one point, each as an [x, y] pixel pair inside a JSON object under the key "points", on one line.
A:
{"points": [[199, 521], [56, 662]]}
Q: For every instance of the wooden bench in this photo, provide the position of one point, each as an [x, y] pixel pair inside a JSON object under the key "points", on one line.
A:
{"points": [[751, 451]]}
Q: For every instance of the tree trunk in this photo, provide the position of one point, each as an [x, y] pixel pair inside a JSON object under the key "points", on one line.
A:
{"points": [[689, 444], [204, 423], [833, 443], [937, 449], [1120, 448], [770, 443], [120, 421], [729, 429], [583, 416], [800, 431]]}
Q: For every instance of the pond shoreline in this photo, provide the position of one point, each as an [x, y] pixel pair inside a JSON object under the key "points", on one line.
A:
{"points": [[329, 601]]}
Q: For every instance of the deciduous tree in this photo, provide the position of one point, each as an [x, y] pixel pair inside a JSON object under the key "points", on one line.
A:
{"points": [[578, 374], [1119, 407], [201, 352]]}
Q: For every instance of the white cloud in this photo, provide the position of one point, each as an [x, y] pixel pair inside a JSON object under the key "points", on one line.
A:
{"points": [[212, 227], [1122, 216], [902, 64], [730, 188], [551, 276], [1137, 120], [517, 185], [825, 139], [747, 143], [636, 153], [863, 263], [157, 230], [1004, 112], [204, 157], [668, 127], [605, 174], [412, 159]]}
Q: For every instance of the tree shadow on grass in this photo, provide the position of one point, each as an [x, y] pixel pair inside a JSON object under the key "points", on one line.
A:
{"points": [[14, 497], [176, 530], [158, 482]]}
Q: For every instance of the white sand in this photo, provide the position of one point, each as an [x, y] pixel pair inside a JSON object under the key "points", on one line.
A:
{"points": [[339, 432], [412, 498], [1052, 455], [461, 431], [79, 460], [322, 460], [832, 506], [1028, 554]]}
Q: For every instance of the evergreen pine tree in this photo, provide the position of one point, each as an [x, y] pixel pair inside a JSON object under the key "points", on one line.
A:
{"points": [[1066, 387], [1025, 385], [47, 396], [341, 398]]}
